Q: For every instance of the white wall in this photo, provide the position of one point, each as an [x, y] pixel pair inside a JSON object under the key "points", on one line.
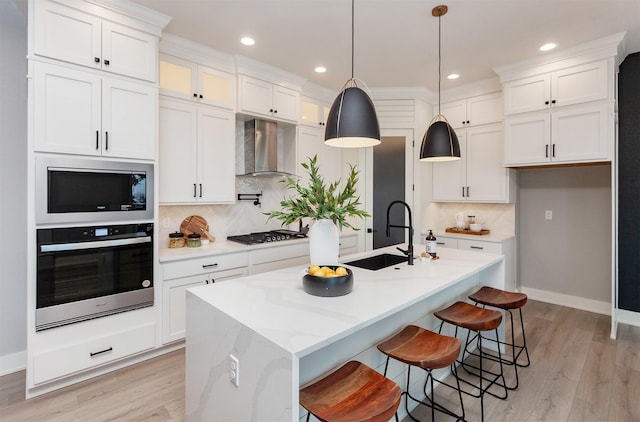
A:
{"points": [[570, 254], [13, 186]]}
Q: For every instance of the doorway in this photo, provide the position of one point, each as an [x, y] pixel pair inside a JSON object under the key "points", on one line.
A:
{"points": [[388, 186], [389, 177]]}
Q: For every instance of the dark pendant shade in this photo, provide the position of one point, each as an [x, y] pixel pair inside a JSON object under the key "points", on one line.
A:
{"points": [[440, 143], [352, 120]]}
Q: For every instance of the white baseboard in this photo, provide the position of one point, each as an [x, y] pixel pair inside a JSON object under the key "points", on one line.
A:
{"points": [[13, 363], [576, 302]]}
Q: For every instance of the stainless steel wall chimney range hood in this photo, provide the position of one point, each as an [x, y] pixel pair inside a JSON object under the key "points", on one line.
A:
{"points": [[261, 149]]}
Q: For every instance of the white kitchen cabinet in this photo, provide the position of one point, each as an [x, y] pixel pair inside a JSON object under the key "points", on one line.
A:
{"points": [[278, 257], [310, 142], [348, 245], [261, 98], [99, 349], [573, 85], [473, 111], [193, 81], [578, 133], [560, 113], [65, 33], [314, 113], [197, 154], [78, 112], [178, 276], [479, 175], [505, 246]]}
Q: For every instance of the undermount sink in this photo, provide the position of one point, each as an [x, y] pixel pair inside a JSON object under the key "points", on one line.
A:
{"points": [[377, 262]]}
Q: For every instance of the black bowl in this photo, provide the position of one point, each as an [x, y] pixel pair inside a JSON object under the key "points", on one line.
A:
{"points": [[328, 286]]}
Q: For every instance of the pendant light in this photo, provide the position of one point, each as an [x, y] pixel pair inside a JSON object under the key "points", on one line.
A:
{"points": [[440, 142], [352, 121]]}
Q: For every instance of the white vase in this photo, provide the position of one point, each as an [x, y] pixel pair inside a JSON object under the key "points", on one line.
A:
{"points": [[324, 243]]}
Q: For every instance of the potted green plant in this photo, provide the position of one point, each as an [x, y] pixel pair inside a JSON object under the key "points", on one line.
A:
{"points": [[326, 204]]}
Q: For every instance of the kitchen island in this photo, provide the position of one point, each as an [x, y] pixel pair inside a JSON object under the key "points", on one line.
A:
{"points": [[284, 338]]}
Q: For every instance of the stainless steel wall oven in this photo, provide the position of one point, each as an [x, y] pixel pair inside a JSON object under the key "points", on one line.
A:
{"points": [[90, 272]]}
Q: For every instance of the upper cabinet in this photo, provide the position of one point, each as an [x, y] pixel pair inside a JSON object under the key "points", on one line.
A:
{"points": [[560, 117], [473, 111], [479, 175], [73, 35], [193, 81], [562, 111], [574, 85], [265, 99], [199, 141], [78, 112], [310, 142], [314, 112]]}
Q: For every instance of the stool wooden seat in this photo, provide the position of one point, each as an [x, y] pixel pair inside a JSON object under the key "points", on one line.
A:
{"points": [[353, 393], [465, 315], [508, 301], [425, 349], [499, 298], [477, 319]]}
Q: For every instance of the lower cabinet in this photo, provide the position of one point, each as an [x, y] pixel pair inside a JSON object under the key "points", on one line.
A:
{"points": [[506, 247], [178, 276], [275, 258], [100, 349]]}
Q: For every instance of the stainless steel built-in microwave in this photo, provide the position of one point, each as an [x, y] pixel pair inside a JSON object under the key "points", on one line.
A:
{"points": [[71, 190]]}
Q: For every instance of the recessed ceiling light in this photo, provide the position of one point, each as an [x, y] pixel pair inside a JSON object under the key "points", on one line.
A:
{"points": [[320, 69], [548, 46], [453, 76], [247, 41]]}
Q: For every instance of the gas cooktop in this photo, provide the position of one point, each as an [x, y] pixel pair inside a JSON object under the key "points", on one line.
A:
{"points": [[265, 237]]}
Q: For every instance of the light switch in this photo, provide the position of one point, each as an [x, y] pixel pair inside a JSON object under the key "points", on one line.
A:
{"points": [[548, 215]]}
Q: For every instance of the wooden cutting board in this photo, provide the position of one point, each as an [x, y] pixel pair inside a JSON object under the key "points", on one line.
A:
{"points": [[196, 224], [482, 232]]}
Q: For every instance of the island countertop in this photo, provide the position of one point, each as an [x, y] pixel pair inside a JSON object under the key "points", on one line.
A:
{"points": [[275, 305], [282, 337]]}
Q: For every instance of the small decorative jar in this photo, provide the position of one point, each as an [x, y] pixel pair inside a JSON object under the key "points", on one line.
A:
{"points": [[193, 240], [176, 240]]}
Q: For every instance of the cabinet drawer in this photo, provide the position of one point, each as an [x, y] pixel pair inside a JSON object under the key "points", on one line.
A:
{"points": [[278, 253], [63, 361], [203, 265], [348, 242], [447, 242], [300, 261], [479, 246]]}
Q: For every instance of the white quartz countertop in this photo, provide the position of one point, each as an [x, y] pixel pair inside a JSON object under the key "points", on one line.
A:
{"points": [[225, 246], [275, 305]]}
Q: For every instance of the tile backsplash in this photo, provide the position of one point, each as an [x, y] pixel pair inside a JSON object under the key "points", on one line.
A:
{"points": [[495, 217], [239, 218]]}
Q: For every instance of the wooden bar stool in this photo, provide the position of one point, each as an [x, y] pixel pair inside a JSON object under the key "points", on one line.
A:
{"points": [[507, 301], [475, 318], [353, 393], [425, 349]]}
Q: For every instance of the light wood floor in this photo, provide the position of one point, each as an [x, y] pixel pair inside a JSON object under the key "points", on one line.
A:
{"points": [[577, 374]]}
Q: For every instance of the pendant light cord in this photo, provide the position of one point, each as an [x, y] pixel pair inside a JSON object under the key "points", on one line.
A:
{"points": [[352, 36], [439, 57]]}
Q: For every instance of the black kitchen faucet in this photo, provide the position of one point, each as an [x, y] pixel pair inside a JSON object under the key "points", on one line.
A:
{"points": [[409, 251]]}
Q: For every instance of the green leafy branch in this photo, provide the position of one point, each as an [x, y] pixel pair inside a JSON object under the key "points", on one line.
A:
{"points": [[319, 201]]}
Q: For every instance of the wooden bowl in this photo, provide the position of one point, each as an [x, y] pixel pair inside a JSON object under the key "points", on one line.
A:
{"points": [[328, 286]]}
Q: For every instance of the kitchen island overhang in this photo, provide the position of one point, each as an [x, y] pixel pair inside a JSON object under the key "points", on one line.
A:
{"points": [[284, 337]]}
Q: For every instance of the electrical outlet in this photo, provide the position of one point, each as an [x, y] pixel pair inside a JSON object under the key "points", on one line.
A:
{"points": [[548, 215], [234, 370], [166, 223]]}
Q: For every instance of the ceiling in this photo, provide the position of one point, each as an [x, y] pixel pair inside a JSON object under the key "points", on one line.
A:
{"points": [[396, 41]]}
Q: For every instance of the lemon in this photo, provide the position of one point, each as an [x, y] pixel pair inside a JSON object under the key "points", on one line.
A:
{"points": [[314, 270], [341, 271]]}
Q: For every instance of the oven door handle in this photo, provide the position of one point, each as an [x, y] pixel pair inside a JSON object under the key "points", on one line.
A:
{"points": [[58, 247]]}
